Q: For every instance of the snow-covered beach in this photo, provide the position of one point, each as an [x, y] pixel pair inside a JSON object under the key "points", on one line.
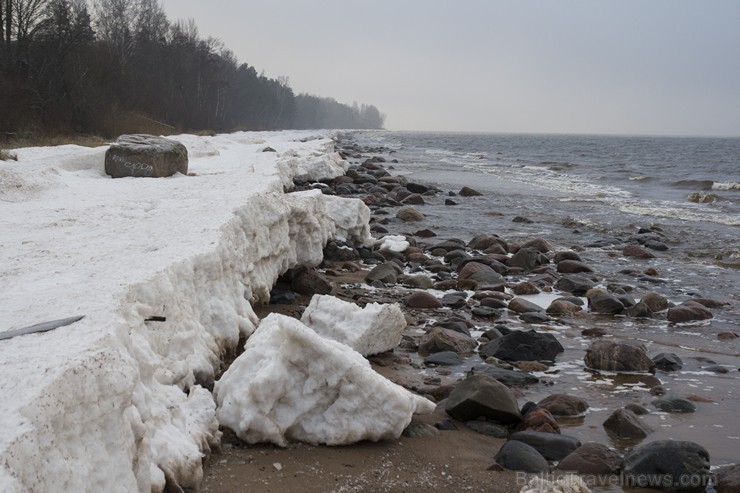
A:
{"points": [[163, 271]]}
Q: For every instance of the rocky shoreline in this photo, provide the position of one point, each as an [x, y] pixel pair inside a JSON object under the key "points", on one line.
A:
{"points": [[477, 341]]}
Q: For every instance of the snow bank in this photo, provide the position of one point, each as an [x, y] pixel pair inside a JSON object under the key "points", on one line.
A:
{"points": [[394, 243], [370, 330], [164, 271], [292, 384]]}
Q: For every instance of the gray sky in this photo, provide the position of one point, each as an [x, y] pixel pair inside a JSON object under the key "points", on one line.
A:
{"points": [[567, 66]]}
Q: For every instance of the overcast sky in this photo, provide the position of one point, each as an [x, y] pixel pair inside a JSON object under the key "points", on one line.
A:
{"points": [[568, 66]]}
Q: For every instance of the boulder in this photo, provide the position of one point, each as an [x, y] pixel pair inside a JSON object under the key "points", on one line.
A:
{"points": [[309, 282], [518, 456], [539, 244], [605, 303], [487, 428], [623, 424], [636, 251], [618, 356], [574, 284], [419, 281], [374, 329], [520, 305], [679, 467], [656, 302], [408, 213], [573, 267], [443, 358], [552, 446], [562, 307], [688, 312], [566, 255], [439, 339], [510, 378], [469, 192], [483, 396], [592, 458], [667, 362], [674, 404], [521, 345], [564, 405], [291, 384], [527, 259], [141, 155], [524, 288], [727, 479], [539, 419], [481, 273], [387, 273], [422, 299]]}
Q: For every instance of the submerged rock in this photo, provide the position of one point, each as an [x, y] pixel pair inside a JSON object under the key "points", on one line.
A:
{"points": [[674, 404], [688, 312], [623, 424], [291, 384]]}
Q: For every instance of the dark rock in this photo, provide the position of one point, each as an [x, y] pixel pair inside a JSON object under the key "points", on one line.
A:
{"points": [[667, 362], [688, 313], [539, 244], [510, 378], [656, 302], [416, 429], [595, 332], [573, 267], [480, 273], [681, 466], [408, 213], [443, 358], [529, 366], [637, 409], [483, 396], [606, 304], [520, 305], [727, 479], [708, 303], [455, 325], [281, 297], [564, 405], [566, 255], [562, 307], [618, 356], [639, 310], [524, 288], [534, 317], [422, 299], [727, 336], [438, 340], [518, 456], [486, 312], [493, 303], [487, 428], [450, 202], [445, 425], [674, 404], [522, 219], [575, 284], [387, 273], [526, 259], [416, 188], [539, 419], [623, 424], [552, 446], [469, 192], [309, 282], [523, 346], [656, 245], [419, 281], [334, 252], [425, 233], [141, 155], [592, 458], [636, 251]]}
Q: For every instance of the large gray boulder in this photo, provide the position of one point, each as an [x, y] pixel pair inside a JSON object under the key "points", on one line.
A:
{"points": [[140, 155], [552, 446], [483, 396], [519, 456], [521, 345], [618, 356], [674, 465]]}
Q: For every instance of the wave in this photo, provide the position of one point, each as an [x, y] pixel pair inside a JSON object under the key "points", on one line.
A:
{"points": [[694, 184], [640, 178], [726, 186]]}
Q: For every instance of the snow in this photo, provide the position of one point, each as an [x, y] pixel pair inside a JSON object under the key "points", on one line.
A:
{"points": [[116, 402], [371, 330], [291, 384], [394, 243]]}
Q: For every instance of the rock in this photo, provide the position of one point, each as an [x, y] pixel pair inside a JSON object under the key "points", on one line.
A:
{"points": [[573, 267], [425, 233], [592, 458], [414, 199], [446, 425], [518, 456], [606, 304], [618, 356], [416, 188], [688, 313], [667, 362], [709, 303], [374, 329], [281, 296], [443, 358], [483, 396], [551, 445], [656, 302], [408, 213], [681, 466], [523, 346], [656, 245], [637, 409], [141, 155], [291, 384], [450, 202], [455, 325], [520, 305], [562, 307], [527, 259], [387, 273], [486, 312], [623, 424], [564, 405], [674, 404], [438, 340], [469, 192], [636, 251], [309, 282], [522, 219], [422, 299], [539, 419], [566, 255], [595, 332], [639, 310], [524, 288], [419, 281], [487, 428], [510, 378], [480, 273], [539, 244], [534, 317], [727, 336], [530, 366], [575, 284], [334, 252], [727, 479]]}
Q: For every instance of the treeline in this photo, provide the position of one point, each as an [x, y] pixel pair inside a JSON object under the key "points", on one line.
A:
{"points": [[118, 66]]}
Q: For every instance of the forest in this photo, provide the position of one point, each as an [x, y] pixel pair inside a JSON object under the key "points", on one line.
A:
{"points": [[108, 67]]}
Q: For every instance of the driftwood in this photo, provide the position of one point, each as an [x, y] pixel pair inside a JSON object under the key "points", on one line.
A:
{"points": [[42, 327]]}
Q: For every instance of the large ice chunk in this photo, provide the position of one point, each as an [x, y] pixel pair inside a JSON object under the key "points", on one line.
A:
{"points": [[291, 384], [370, 330]]}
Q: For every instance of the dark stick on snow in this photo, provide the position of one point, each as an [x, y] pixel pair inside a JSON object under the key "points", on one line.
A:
{"points": [[42, 327]]}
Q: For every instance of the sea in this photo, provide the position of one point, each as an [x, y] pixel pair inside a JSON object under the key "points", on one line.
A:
{"points": [[592, 193]]}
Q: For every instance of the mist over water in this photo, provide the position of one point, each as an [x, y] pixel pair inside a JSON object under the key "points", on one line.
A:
{"points": [[593, 193]]}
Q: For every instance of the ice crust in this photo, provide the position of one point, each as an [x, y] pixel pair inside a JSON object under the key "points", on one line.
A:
{"points": [[291, 384], [370, 330], [115, 402]]}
